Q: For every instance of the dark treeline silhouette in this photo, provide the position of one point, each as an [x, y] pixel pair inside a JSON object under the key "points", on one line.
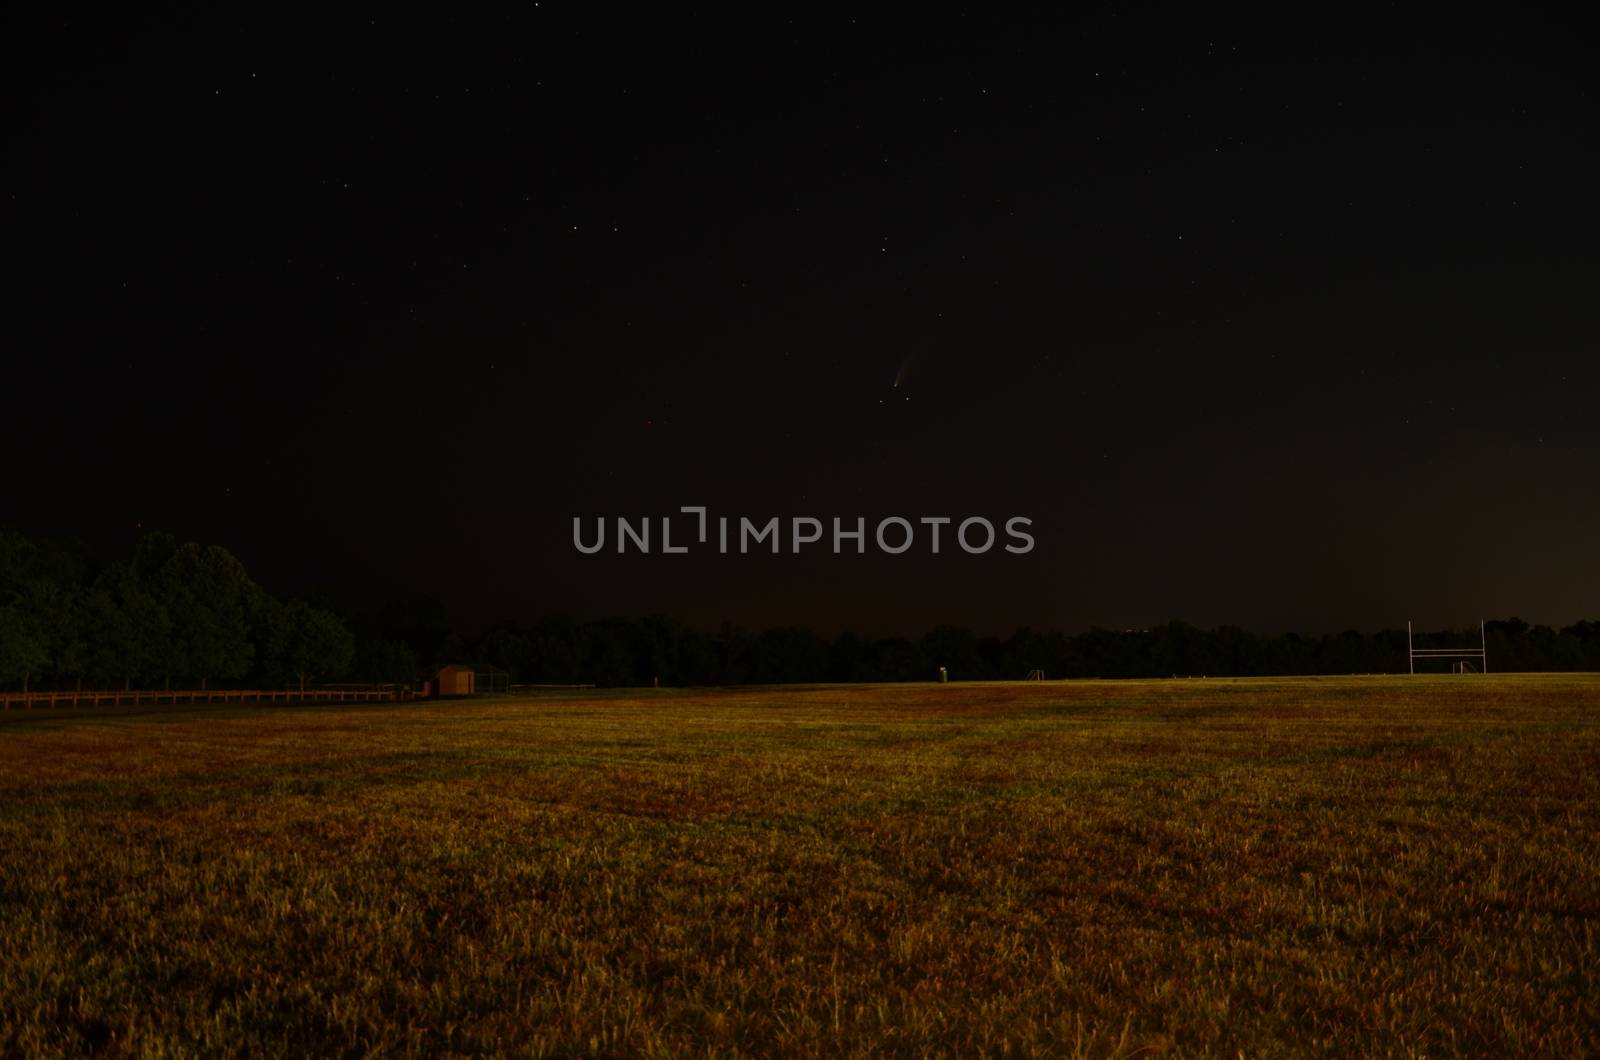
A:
{"points": [[621, 652], [169, 615], [175, 614]]}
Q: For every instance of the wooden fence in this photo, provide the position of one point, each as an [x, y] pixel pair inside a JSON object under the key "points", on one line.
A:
{"points": [[192, 695]]}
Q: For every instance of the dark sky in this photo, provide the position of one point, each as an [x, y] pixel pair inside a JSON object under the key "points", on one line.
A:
{"points": [[1285, 325]]}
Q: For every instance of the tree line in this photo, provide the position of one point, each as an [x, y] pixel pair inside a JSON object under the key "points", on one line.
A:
{"points": [[172, 615], [638, 652], [168, 615]]}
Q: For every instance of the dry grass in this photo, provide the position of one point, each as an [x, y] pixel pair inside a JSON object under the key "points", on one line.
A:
{"points": [[1362, 865]]}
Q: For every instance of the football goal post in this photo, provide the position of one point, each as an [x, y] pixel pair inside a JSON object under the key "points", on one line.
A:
{"points": [[1462, 660]]}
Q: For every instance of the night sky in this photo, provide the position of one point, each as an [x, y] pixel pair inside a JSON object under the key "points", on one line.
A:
{"points": [[1290, 326]]}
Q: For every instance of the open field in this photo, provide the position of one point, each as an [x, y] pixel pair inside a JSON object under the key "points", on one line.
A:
{"points": [[1342, 865]]}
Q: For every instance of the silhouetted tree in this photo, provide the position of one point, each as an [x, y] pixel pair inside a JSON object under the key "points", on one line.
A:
{"points": [[205, 591], [296, 642], [35, 611], [420, 622], [129, 632], [387, 661]]}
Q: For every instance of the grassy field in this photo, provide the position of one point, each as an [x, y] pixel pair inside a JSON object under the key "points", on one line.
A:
{"points": [[1391, 866]]}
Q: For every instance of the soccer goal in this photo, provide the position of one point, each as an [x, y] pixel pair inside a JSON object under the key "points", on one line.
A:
{"points": [[1035, 675], [1462, 660]]}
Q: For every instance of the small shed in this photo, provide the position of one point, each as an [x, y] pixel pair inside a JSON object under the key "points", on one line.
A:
{"points": [[456, 681]]}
